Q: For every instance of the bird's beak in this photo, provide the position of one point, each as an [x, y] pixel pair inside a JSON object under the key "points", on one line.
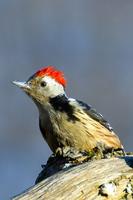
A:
{"points": [[23, 85]]}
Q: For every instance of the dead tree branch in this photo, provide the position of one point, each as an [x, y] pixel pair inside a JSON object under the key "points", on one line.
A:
{"points": [[98, 180]]}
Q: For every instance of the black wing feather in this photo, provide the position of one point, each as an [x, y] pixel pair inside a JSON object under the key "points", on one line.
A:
{"points": [[95, 115]]}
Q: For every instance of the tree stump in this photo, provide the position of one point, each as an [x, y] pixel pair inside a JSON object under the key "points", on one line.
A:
{"points": [[109, 178]]}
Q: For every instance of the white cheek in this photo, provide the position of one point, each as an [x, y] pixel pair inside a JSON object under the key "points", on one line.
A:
{"points": [[52, 88]]}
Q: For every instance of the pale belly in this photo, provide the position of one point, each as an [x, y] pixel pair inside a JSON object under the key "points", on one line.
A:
{"points": [[82, 134]]}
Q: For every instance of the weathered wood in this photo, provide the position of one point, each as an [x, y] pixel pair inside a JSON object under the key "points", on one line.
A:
{"points": [[96, 180]]}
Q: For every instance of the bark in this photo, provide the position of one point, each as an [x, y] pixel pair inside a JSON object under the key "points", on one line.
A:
{"points": [[95, 180]]}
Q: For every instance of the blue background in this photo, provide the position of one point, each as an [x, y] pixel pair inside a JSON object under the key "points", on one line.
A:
{"points": [[92, 42]]}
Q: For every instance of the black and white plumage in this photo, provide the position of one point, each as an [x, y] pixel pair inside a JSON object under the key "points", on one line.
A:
{"points": [[66, 122]]}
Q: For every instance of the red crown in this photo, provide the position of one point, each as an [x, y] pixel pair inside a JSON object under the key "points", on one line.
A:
{"points": [[52, 72]]}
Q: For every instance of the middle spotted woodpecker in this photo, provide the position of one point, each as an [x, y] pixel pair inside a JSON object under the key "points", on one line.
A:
{"points": [[65, 122]]}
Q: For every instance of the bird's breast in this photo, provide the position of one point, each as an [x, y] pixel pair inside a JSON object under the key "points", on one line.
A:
{"points": [[77, 129]]}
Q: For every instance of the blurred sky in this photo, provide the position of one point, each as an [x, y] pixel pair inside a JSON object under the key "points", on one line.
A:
{"points": [[92, 42]]}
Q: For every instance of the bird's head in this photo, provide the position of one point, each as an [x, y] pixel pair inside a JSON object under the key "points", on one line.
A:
{"points": [[46, 83]]}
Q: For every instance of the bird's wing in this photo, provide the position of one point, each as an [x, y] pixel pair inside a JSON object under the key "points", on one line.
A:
{"points": [[95, 115], [93, 127]]}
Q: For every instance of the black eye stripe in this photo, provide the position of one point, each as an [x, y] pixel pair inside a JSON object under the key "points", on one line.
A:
{"points": [[43, 83]]}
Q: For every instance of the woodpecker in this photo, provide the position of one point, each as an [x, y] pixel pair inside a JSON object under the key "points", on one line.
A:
{"points": [[66, 122]]}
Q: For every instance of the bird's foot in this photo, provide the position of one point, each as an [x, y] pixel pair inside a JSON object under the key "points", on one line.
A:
{"points": [[101, 151], [71, 154]]}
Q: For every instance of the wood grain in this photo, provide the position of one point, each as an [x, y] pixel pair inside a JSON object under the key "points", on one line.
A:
{"points": [[96, 180]]}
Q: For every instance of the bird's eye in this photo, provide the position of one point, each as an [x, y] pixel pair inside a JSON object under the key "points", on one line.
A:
{"points": [[43, 83]]}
